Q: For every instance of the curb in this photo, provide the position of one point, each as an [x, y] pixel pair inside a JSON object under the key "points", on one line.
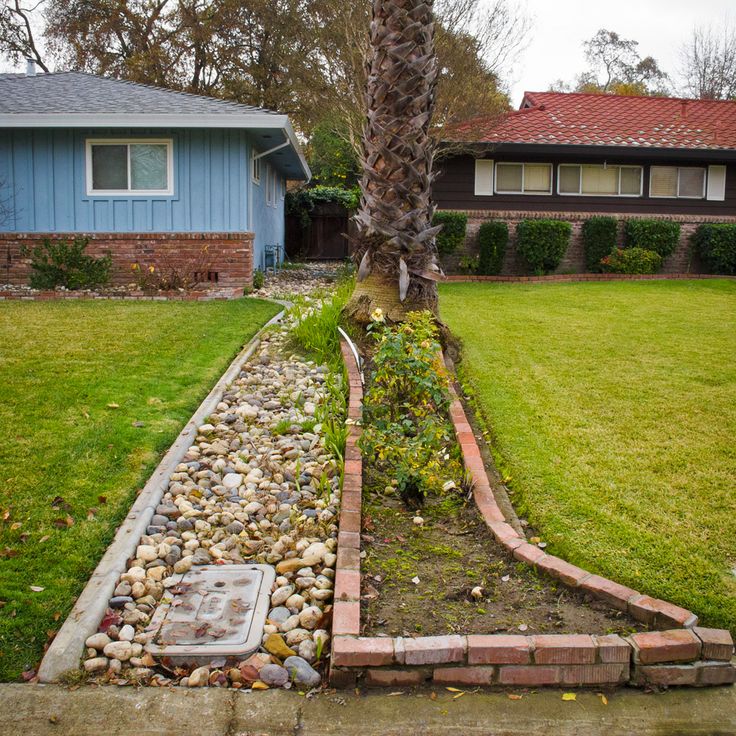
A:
{"points": [[686, 655], [67, 647]]}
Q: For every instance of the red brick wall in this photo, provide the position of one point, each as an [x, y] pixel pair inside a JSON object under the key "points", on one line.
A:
{"points": [[230, 255], [681, 261]]}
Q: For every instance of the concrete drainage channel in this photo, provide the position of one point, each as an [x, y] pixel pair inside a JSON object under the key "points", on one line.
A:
{"points": [[237, 523], [680, 653]]}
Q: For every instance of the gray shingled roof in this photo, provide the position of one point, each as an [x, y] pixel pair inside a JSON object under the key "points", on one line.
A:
{"points": [[80, 93]]}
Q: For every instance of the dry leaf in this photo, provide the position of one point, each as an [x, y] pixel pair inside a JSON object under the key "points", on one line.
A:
{"points": [[44, 538], [37, 588], [514, 696], [433, 696], [454, 689], [57, 615], [569, 696], [603, 698], [113, 406], [102, 500], [398, 692], [91, 514], [15, 526], [459, 695]]}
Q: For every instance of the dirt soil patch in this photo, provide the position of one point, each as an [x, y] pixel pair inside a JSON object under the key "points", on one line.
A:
{"points": [[419, 580]]}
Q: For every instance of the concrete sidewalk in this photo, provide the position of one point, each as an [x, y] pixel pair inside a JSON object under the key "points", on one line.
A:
{"points": [[104, 711]]}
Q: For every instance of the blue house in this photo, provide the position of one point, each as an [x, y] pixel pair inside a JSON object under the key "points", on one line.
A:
{"points": [[144, 173]]}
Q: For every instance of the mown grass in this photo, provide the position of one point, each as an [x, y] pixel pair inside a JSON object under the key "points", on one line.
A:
{"points": [[70, 464], [613, 412]]}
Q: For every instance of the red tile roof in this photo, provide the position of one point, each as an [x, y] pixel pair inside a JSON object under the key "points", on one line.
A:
{"points": [[609, 120]]}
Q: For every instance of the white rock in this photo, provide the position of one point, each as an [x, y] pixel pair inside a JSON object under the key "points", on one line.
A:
{"points": [[183, 565], [309, 617], [122, 650], [126, 633], [308, 650], [232, 481], [281, 595], [98, 641], [135, 574], [329, 559], [146, 552], [290, 623], [316, 549], [96, 664], [295, 601], [199, 677], [296, 636]]}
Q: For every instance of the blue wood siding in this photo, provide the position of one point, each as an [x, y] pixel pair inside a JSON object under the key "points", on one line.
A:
{"points": [[268, 219], [43, 187]]}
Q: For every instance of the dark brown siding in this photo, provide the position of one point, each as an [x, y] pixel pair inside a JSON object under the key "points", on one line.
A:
{"points": [[453, 189]]}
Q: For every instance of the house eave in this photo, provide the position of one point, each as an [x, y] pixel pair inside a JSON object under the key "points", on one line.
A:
{"points": [[246, 121], [565, 149]]}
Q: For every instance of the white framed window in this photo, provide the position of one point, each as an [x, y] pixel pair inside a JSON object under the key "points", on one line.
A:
{"points": [[255, 168], [677, 182], [136, 166], [599, 180], [515, 178]]}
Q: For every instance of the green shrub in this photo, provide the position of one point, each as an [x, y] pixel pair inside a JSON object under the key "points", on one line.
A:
{"points": [[259, 278], [716, 245], [493, 237], [599, 240], [632, 260], [661, 236], [542, 243], [454, 225], [57, 263]]}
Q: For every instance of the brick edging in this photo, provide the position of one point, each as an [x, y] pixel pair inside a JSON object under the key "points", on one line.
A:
{"points": [[203, 295], [576, 277], [689, 655]]}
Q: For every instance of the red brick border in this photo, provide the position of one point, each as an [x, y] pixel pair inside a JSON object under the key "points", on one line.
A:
{"points": [[687, 655], [574, 277]]}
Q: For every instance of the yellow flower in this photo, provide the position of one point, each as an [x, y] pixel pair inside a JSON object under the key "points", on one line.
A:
{"points": [[377, 315], [134, 266], [151, 269]]}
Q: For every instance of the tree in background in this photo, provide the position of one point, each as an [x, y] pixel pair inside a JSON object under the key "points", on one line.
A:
{"points": [[615, 67], [708, 63], [302, 57], [332, 158], [395, 241]]}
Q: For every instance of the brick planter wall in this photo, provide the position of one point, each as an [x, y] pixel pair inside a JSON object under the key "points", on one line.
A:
{"points": [[681, 261], [686, 655], [230, 255]]}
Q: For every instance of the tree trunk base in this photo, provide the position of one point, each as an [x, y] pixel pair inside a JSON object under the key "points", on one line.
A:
{"points": [[378, 291]]}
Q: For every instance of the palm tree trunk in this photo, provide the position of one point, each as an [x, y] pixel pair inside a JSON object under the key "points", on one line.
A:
{"points": [[395, 238]]}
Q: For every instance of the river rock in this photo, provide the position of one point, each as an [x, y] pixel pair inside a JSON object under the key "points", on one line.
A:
{"points": [[302, 672]]}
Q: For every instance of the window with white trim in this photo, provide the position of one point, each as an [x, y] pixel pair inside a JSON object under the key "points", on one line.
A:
{"points": [[677, 182], [599, 180], [513, 178], [139, 166], [255, 168]]}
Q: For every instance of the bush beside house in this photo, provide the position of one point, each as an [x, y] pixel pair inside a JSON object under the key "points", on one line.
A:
{"points": [[493, 238], [632, 261], [661, 236], [543, 243], [716, 246], [599, 240], [452, 235]]}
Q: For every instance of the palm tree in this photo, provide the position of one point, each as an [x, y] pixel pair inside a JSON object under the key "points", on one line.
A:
{"points": [[395, 238]]}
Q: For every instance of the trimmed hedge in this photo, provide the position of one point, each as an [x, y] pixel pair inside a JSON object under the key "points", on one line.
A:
{"points": [[543, 243], [454, 225], [599, 240], [716, 245], [57, 263], [493, 237], [632, 260], [661, 236]]}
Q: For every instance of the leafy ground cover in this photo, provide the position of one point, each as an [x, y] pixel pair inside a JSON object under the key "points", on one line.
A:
{"points": [[91, 395], [611, 409]]}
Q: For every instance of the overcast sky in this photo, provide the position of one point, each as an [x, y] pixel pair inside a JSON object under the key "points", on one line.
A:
{"points": [[561, 26]]}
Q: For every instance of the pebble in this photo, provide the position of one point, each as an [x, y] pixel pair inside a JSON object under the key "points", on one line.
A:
{"points": [[96, 664], [122, 650], [97, 641], [199, 677], [302, 672], [274, 675]]}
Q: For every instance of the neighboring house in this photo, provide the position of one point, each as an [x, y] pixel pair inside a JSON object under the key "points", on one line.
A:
{"points": [[151, 175], [570, 156]]}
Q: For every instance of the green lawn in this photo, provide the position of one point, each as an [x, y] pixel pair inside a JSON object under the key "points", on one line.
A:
{"points": [[612, 408], [61, 365]]}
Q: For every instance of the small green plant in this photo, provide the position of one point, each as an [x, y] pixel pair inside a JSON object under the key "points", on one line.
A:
{"points": [[661, 236], [452, 235], [493, 237], [259, 278], [406, 430], [599, 241], [468, 264], [331, 413], [716, 246], [543, 243], [281, 427], [632, 261], [58, 263]]}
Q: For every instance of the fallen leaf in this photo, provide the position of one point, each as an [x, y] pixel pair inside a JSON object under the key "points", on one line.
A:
{"points": [[514, 696], [603, 698], [535, 540], [102, 500], [113, 406], [91, 513], [433, 696], [57, 615], [24, 537], [454, 689], [85, 414], [14, 526], [459, 695], [28, 675], [37, 588], [6, 515], [505, 578], [398, 692], [569, 696], [53, 719], [44, 538], [8, 552]]}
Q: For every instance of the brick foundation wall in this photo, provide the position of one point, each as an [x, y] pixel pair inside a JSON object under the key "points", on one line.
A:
{"points": [[681, 261], [229, 255]]}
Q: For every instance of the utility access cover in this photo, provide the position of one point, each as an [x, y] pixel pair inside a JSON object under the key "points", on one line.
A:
{"points": [[213, 611]]}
